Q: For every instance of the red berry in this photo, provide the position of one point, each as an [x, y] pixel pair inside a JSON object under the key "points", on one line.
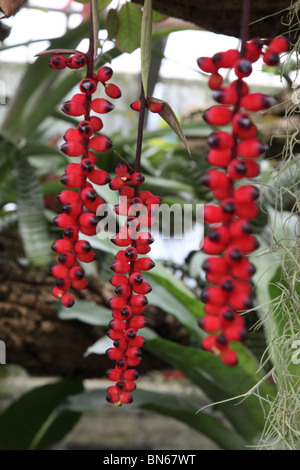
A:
{"points": [[215, 179], [61, 246], [243, 270], [113, 374], [68, 300], [143, 264], [219, 158], [240, 301], [113, 91], [215, 265], [207, 65], [76, 273], [226, 95], [214, 295], [58, 62], [257, 102], [120, 267], [217, 115], [137, 178], [71, 233], [136, 106], [271, 57], [242, 68], [96, 123], [80, 284], [72, 148], [104, 74], [243, 127], [209, 323], [99, 177], [138, 322], [126, 398], [279, 44], [63, 220], [100, 143], [114, 353], [68, 196], [247, 243], [240, 227], [215, 81], [248, 210], [240, 87], [154, 107], [59, 270], [101, 105], [88, 86], [73, 134], [73, 108], [226, 59], [251, 148], [246, 193], [229, 357], [220, 140], [77, 61], [85, 129], [238, 169], [209, 343]]}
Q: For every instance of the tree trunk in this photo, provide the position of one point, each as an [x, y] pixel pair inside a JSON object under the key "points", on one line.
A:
{"points": [[37, 340], [267, 18]]}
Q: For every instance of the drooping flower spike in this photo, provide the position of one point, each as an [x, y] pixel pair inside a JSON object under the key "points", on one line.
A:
{"points": [[234, 156], [129, 304], [80, 200]]}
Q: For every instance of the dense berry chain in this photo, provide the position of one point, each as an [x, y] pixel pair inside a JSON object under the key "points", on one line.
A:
{"points": [[80, 203], [233, 156], [80, 200], [129, 304]]}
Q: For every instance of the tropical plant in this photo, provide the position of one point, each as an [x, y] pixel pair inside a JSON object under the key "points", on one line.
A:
{"points": [[243, 393]]}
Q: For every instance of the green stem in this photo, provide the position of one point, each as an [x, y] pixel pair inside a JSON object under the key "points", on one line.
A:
{"points": [[140, 131]]}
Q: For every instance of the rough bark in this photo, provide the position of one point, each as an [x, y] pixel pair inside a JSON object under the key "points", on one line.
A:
{"points": [[225, 17], [37, 340]]}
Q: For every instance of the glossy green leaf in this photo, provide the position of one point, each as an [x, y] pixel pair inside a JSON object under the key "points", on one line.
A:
{"points": [[167, 184], [102, 4], [166, 404], [34, 421], [129, 35], [220, 382], [164, 298], [32, 223], [86, 312], [157, 16], [112, 24]]}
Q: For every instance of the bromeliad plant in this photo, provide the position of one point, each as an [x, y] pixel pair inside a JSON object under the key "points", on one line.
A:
{"points": [[80, 207], [228, 242], [79, 210], [234, 156]]}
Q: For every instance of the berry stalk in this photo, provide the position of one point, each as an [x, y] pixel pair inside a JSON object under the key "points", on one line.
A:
{"points": [[129, 304], [234, 156], [80, 201]]}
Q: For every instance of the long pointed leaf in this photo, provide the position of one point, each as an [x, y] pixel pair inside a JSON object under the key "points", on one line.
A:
{"points": [[32, 223], [34, 421], [146, 36], [220, 382], [167, 404]]}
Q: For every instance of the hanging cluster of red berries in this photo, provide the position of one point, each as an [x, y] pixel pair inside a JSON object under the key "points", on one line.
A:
{"points": [[234, 156], [130, 301], [80, 200]]}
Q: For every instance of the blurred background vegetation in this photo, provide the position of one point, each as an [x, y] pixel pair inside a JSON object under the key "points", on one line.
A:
{"points": [[61, 350]]}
